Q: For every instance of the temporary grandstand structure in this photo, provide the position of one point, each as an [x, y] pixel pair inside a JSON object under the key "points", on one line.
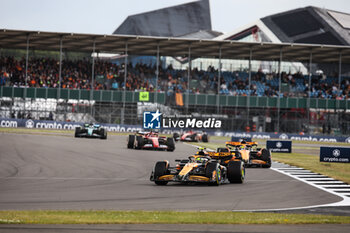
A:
{"points": [[169, 46]]}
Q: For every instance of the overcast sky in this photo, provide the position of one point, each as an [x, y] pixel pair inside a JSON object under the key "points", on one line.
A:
{"points": [[104, 16]]}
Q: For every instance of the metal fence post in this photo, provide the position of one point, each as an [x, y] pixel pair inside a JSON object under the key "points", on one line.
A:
{"points": [[157, 76], [26, 77], [60, 71], [310, 88], [219, 79], [125, 75], [188, 78], [249, 83], [279, 91]]}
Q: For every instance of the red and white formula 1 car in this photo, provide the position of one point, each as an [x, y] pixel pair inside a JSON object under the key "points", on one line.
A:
{"points": [[150, 140], [191, 136]]}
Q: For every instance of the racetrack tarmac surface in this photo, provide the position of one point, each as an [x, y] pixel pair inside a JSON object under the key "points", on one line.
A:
{"points": [[63, 172]]}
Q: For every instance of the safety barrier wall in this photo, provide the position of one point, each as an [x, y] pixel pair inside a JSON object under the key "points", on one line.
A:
{"points": [[28, 123], [96, 95], [194, 99]]}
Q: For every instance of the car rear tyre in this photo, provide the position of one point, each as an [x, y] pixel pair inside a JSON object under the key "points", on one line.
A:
{"points": [[194, 138], [139, 142], [176, 136], [266, 156], [205, 138], [170, 144], [77, 132], [160, 169], [103, 133], [236, 171], [131, 141]]}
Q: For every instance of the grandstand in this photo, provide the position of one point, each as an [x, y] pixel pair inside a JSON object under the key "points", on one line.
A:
{"points": [[245, 98]]}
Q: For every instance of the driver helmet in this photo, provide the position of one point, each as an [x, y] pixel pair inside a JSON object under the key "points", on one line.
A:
{"points": [[201, 160]]}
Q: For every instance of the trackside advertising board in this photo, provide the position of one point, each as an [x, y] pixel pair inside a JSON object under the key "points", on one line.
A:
{"points": [[213, 131], [279, 146], [335, 154]]}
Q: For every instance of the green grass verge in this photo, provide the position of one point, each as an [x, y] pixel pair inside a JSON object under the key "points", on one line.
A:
{"points": [[339, 171], [163, 217]]}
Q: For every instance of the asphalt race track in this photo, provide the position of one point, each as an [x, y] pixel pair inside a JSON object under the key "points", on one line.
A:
{"points": [[63, 172]]}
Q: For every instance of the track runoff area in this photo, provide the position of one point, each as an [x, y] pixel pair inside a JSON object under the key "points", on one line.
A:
{"points": [[60, 172]]}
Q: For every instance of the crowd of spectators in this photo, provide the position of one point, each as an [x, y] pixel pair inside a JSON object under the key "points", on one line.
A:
{"points": [[44, 72]]}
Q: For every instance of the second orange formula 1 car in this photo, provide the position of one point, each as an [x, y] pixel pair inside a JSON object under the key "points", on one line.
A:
{"points": [[250, 153]]}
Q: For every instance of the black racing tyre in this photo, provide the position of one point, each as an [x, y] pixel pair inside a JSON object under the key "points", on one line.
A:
{"points": [[194, 138], [266, 156], [77, 132], [211, 167], [139, 142], [222, 149], [176, 136], [171, 144], [267, 165], [205, 138], [236, 171], [131, 141], [160, 169], [103, 133]]}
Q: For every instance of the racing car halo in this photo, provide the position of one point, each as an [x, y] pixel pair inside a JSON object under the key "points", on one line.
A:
{"points": [[213, 168], [150, 140], [91, 131]]}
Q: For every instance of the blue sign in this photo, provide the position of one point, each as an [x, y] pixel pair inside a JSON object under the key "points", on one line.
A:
{"points": [[335, 154], [238, 139], [279, 146], [152, 120]]}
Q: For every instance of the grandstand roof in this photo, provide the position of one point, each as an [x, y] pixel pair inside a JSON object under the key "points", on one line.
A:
{"points": [[145, 45], [171, 21], [308, 25]]}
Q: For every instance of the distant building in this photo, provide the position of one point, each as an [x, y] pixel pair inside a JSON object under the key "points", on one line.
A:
{"points": [[191, 19], [309, 25]]}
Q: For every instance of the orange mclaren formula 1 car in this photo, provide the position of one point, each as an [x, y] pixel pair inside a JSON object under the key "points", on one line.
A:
{"points": [[250, 153], [204, 167]]}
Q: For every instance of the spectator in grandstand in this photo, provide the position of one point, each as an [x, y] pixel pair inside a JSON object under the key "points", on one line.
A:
{"points": [[43, 72]]}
